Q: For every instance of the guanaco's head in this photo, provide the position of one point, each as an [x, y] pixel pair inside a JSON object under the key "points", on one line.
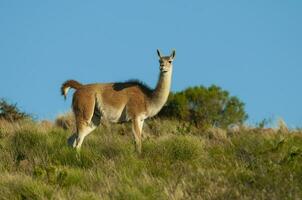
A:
{"points": [[165, 62]]}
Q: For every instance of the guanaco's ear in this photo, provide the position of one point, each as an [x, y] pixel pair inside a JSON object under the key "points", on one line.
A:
{"points": [[158, 53], [173, 54]]}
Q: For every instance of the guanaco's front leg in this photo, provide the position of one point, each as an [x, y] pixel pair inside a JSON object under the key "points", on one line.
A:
{"points": [[137, 126]]}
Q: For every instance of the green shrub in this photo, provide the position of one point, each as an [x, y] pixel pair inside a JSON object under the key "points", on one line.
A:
{"points": [[11, 112], [205, 107]]}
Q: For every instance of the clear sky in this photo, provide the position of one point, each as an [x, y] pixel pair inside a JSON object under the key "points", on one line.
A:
{"points": [[252, 48]]}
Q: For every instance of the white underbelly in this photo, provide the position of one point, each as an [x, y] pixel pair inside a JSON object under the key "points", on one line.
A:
{"points": [[114, 115]]}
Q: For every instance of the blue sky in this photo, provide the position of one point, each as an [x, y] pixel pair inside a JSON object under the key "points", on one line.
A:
{"points": [[253, 49]]}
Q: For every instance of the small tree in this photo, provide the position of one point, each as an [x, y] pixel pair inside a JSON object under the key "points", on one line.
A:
{"points": [[205, 107], [11, 112]]}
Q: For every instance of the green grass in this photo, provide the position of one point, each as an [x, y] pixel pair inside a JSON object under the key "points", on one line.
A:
{"points": [[178, 162]]}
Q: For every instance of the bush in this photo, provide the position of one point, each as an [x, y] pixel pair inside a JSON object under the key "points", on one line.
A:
{"points": [[11, 112], [66, 121], [205, 107]]}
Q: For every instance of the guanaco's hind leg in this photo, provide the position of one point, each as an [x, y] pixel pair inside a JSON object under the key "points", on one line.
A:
{"points": [[137, 126], [83, 131], [83, 108]]}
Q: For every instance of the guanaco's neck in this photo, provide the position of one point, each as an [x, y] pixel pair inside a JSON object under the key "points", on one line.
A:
{"points": [[161, 92]]}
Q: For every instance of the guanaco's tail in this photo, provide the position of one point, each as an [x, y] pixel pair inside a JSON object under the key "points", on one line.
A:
{"points": [[69, 84]]}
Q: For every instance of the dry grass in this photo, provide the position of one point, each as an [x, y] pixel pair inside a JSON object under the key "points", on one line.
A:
{"points": [[66, 121], [7, 127]]}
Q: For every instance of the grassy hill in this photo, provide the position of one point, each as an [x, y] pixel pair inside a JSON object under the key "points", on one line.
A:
{"points": [[178, 162]]}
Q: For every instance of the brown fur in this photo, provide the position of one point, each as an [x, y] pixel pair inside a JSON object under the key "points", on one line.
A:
{"points": [[70, 83], [118, 102]]}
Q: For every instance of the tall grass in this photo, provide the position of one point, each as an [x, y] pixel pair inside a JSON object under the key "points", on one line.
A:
{"points": [[178, 162]]}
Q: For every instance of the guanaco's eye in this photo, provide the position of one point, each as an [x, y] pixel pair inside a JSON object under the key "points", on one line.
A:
{"points": [[170, 61]]}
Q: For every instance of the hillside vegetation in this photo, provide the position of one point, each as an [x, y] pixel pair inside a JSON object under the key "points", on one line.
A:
{"points": [[205, 107], [179, 161]]}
